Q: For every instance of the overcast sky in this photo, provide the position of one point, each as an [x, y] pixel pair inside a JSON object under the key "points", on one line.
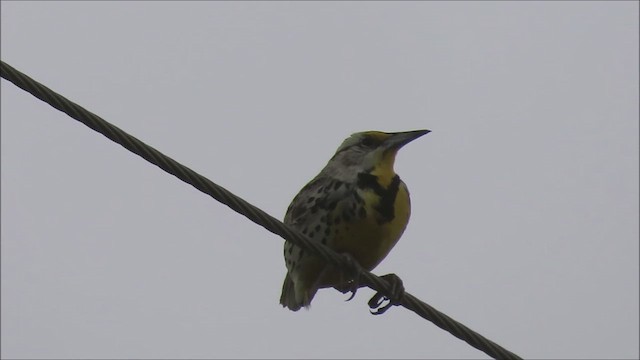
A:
{"points": [[525, 194]]}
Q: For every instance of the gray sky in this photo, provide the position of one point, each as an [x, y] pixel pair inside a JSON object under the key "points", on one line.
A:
{"points": [[525, 195]]}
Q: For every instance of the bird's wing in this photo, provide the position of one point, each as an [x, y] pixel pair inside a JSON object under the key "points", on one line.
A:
{"points": [[312, 212], [318, 198]]}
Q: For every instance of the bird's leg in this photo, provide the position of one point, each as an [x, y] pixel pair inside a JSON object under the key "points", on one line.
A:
{"points": [[350, 277], [397, 293]]}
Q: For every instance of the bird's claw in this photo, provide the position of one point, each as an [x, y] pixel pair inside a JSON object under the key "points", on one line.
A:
{"points": [[376, 302], [397, 293], [353, 292], [352, 284]]}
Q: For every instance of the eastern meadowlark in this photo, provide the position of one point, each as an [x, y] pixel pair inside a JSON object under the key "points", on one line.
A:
{"points": [[357, 205]]}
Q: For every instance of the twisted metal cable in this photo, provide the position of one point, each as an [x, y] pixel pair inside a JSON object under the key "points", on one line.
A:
{"points": [[244, 208]]}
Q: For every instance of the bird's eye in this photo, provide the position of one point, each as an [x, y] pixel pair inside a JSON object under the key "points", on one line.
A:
{"points": [[368, 142]]}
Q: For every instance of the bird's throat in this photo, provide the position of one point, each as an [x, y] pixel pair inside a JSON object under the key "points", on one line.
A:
{"points": [[383, 170]]}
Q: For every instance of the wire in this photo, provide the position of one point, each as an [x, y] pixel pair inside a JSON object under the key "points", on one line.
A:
{"points": [[244, 208]]}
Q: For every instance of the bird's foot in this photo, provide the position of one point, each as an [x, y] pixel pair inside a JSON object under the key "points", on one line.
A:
{"points": [[397, 293], [350, 277]]}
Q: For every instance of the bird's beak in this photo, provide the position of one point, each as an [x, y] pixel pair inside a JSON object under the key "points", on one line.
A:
{"points": [[400, 139]]}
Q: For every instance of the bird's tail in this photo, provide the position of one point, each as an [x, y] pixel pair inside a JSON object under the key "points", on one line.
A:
{"points": [[288, 299]]}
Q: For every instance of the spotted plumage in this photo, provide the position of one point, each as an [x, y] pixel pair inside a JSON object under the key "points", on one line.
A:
{"points": [[357, 205]]}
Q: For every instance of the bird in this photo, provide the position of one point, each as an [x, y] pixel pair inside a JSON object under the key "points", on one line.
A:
{"points": [[357, 206]]}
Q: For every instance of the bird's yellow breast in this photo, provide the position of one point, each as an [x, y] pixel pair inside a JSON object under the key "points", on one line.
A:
{"points": [[370, 238]]}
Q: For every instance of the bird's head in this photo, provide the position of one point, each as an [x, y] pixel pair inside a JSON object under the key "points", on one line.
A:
{"points": [[372, 152]]}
